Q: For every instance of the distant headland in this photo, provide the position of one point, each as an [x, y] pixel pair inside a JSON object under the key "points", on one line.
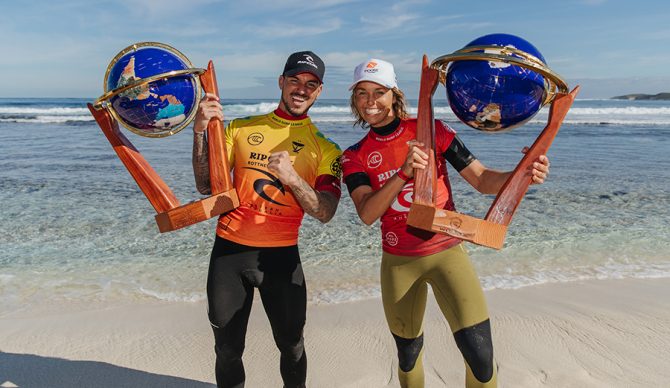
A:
{"points": [[659, 96]]}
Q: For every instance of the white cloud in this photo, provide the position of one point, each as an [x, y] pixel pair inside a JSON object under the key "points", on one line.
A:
{"points": [[344, 62], [381, 24], [408, 17], [403, 6], [277, 30], [474, 26], [398, 16], [663, 35], [301, 5], [594, 2], [197, 30], [156, 9], [262, 63]]}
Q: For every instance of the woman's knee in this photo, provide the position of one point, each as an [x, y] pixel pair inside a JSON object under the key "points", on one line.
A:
{"points": [[476, 346], [409, 350]]}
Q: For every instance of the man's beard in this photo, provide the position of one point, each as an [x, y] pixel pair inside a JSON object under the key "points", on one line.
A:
{"points": [[292, 112]]}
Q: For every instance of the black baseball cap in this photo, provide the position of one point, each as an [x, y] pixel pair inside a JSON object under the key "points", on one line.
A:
{"points": [[304, 62]]}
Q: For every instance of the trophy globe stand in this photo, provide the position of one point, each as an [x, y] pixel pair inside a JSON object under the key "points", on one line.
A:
{"points": [[153, 90], [491, 230]]}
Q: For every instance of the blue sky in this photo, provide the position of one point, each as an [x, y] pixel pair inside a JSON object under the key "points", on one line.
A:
{"points": [[62, 48]]}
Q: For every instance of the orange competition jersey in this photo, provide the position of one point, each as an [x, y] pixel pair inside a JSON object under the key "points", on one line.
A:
{"points": [[269, 215], [380, 157]]}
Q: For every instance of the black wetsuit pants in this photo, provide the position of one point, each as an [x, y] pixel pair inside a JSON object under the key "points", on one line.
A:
{"points": [[234, 271]]}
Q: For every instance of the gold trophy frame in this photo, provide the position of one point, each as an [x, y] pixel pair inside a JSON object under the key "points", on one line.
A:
{"points": [[491, 230], [171, 214]]}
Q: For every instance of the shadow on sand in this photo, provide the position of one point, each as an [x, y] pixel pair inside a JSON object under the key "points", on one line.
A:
{"points": [[32, 371]]}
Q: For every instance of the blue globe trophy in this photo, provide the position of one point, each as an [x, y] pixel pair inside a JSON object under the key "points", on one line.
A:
{"points": [[153, 90], [495, 83]]}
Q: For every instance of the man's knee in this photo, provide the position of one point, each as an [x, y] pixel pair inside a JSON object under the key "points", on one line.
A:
{"points": [[476, 346], [228, 348], [408, 351], [228, 353], [292, 348]]}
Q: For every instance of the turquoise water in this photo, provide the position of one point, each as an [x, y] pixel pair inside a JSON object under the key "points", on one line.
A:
{"points": [[75, 227]]}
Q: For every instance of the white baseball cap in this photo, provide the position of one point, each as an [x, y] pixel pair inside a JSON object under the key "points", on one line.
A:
{"points": [[377, 71]]}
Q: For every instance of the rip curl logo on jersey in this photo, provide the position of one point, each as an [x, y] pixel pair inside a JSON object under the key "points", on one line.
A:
{"points": [[404, 199], [391, 239], [255, 138], [336, 167], [260, 184], [374, 159]]}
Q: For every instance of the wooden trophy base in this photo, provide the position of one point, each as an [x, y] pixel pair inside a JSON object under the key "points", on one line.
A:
{"points": [[197, 211], [464, 227], [491, 230]]}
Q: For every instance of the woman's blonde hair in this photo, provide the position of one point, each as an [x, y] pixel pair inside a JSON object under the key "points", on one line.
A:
{"points": [[399, 107]]}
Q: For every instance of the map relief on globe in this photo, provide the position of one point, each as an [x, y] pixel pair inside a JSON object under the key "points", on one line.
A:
{"points": [[492, 95], [156, 108]]}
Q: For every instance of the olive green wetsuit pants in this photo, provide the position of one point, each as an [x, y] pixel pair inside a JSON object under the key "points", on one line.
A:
{"points": [[404, 284]]}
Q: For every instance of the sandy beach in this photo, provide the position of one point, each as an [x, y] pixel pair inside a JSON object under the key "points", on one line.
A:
{"points": [[611, 333]]}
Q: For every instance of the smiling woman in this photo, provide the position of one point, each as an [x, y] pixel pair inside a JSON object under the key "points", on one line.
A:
{"points": [[379, 171], [375, 103], [376, 99]]}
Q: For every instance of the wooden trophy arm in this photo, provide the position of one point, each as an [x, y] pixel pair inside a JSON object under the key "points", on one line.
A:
{"points": [[151, 184], [219, 170], [513, 190], [425, 179]]}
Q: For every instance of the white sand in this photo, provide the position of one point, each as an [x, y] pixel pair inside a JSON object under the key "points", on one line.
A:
{"points": [[591, 334]]}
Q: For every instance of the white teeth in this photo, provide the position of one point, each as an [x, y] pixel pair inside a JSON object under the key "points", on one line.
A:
{"points": [[372, 111]]}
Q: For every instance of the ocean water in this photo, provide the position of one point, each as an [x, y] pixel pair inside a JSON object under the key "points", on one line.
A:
{"points": [[75, 227]]}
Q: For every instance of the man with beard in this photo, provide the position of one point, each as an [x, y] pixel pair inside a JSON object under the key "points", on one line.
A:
{"points": [[283, 167]]}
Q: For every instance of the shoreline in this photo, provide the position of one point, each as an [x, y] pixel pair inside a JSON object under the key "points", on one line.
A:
{"points": [[613, 333]]}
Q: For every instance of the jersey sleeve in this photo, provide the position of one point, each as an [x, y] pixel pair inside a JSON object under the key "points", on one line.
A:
{"points": [[330, 184], [230, 132], [351, 162], [451, 147], [329, 172], [330, 159], [443, 135], [353, 171], [458, 155]]}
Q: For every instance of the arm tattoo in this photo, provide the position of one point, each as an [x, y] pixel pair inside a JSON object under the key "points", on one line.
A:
{"points": [[201, 163], [320, 205]]}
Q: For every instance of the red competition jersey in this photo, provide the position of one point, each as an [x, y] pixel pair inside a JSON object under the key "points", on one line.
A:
{"points": [[380, 157]]}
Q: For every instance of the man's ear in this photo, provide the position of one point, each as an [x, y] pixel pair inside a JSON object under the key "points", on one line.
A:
{"points": [[280, 82]]}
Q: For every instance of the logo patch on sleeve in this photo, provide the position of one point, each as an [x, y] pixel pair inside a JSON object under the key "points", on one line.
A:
{"points": [[336, 167]]}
